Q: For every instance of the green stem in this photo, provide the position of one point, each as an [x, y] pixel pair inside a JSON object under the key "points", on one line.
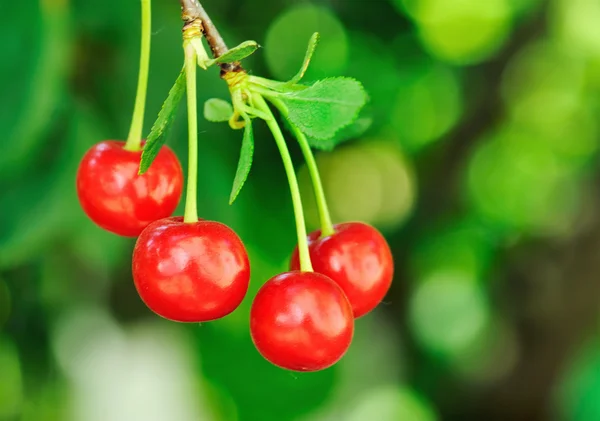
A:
{"points": [[191, 210], [305, 264], [327, 228], [134, 139]]}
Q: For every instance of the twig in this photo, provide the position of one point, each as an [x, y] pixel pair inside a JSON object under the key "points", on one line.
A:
{"points": [[191, 12]]}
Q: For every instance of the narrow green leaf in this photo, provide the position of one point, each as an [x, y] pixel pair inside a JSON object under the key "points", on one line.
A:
{"points": [[324, 108], [161, 126], [217, 110], [238, 53], [245, 162], [353, 131], [312, 46]]}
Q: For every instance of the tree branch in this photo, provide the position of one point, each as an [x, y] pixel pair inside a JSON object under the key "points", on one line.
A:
{"points": [[191, 12]]}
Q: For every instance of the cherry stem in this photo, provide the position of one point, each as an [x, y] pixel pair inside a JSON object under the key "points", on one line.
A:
{"points": [[327, 228], [134, 139], [191, 208], [305, 263]]}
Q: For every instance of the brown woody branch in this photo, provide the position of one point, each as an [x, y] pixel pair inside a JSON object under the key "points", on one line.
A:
{"points": [[192, 12]]}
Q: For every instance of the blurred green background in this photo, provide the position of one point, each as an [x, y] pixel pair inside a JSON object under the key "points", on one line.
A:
{"points": [[481, 167]]}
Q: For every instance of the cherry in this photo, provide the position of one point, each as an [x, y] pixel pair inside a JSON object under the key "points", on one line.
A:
{"points": [[190, 272], [119, 200], [301, 321], [357, 258]]}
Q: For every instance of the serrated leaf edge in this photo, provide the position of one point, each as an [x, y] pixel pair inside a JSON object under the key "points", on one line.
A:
{"points": [[354, 117], [334, 144]]}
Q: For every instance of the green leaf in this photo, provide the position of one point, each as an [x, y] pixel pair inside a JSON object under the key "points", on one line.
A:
{"points": [[245, 162], [324, 108], [350, 132], [161, 126], [353, 131], [312, 46], [217, 110], [238, 53]]}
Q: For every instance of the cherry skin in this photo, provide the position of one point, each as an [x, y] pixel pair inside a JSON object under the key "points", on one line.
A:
{"points": [[301, 321], [190, 272], [358, 258], [119, 200]]}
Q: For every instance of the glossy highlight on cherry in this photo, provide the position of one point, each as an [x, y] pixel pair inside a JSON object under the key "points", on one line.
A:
{"points": [[358, 258], [119, 200], [190, 272], [301, 321]]}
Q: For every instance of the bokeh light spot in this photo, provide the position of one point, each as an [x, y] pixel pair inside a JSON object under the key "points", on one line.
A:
{"points": [[544, 90], [462, 31], [448, 312], [516, 182], [398, 183], [576, 23], [391, 403], [369, 181], [428, 104]]}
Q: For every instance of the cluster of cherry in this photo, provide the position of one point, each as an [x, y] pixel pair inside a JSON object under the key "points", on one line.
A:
{"points": [[200, 271]]}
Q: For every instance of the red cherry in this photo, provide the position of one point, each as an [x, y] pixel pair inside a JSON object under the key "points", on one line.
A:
{"points": [[357, 258], [119, 200], [301, 321], [190, 272]]}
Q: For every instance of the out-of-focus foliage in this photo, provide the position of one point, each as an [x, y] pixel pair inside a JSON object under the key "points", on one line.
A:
{"points": [[480, 167]]}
